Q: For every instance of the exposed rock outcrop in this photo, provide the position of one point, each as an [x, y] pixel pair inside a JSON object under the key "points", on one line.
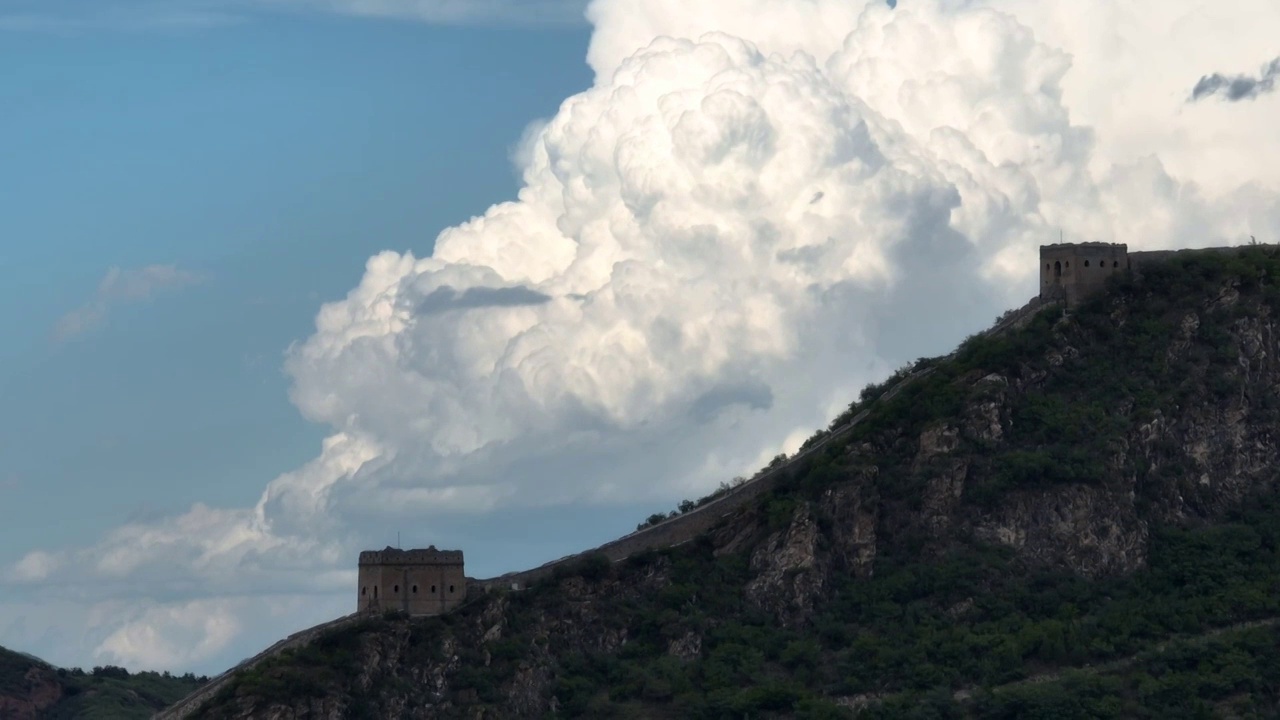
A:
{"points": [[789, 575]]}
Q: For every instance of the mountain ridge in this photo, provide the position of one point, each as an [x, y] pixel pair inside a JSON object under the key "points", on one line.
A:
{"points": [[669, 532], [1074, 514], [1077, 490]]}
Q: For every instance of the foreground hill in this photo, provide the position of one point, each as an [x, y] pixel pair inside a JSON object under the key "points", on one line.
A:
{"points": [[31, 689], [1076, 518]]}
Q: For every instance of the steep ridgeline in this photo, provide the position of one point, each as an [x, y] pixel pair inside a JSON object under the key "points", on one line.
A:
{"points": [[667, 533], [1075, 518], [703, 515]]}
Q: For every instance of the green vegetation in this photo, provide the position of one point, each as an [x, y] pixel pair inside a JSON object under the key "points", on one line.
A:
{"points": [[947, 626], [107, 692], [689, 505], [971, 619], [1232, 674], [1119, 373], [913, 635]]}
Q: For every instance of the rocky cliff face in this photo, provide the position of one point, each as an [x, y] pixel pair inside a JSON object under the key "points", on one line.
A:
{"points": [[1065, 445]]}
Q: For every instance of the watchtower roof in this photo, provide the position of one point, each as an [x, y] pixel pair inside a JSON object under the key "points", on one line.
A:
{"points": [[1085, 245], [417, 556]]}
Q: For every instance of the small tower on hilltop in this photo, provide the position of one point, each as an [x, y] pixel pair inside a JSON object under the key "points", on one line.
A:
{"points": [[1071, 272], [418, 582]]}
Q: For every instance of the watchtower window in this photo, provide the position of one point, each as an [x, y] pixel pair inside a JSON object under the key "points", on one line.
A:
{"points": [[395, 589], [1057, 269], [364, 590], [433, 589], [375, 592], [1086, 263], [450, 588], [415, 589], [1115, 263], [1068, 264]]}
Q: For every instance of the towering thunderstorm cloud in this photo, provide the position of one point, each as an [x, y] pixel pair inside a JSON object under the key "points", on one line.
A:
{"points": [[759, 206], [1238, 87]]}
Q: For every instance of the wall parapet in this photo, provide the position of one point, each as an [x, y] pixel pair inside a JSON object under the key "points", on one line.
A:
{"points": [[1072, 272], [686, 526], [1143, 258], [394, 556], [689, 525]]}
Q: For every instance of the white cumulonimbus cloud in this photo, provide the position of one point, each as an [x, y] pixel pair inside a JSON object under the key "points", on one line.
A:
{"points": [[758, 206]]}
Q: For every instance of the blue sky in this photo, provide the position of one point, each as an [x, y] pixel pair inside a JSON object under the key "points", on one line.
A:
{"points": [[282, 278], [269, 159]]}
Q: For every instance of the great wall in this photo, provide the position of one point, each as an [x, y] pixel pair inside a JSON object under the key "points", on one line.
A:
{"points": [[686, 526], [672, 532]]}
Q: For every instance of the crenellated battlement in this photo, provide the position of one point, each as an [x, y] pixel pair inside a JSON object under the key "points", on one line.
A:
{"points": [[394, 556], [1073, 272]]}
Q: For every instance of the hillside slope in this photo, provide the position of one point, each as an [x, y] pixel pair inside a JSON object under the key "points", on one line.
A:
{"points": [[31, 689], [1074, 519]]}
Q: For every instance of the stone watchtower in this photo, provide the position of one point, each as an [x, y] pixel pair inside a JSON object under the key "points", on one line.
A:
{"points": [[1070, 272], [418, 582]]}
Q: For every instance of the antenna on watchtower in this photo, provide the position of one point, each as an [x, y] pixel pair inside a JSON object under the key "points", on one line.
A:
{"points": [[398, 541]]}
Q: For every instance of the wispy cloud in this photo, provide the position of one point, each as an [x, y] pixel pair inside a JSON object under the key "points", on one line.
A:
{"points": [[120, 287], [1238, 87], [34, 566]]}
